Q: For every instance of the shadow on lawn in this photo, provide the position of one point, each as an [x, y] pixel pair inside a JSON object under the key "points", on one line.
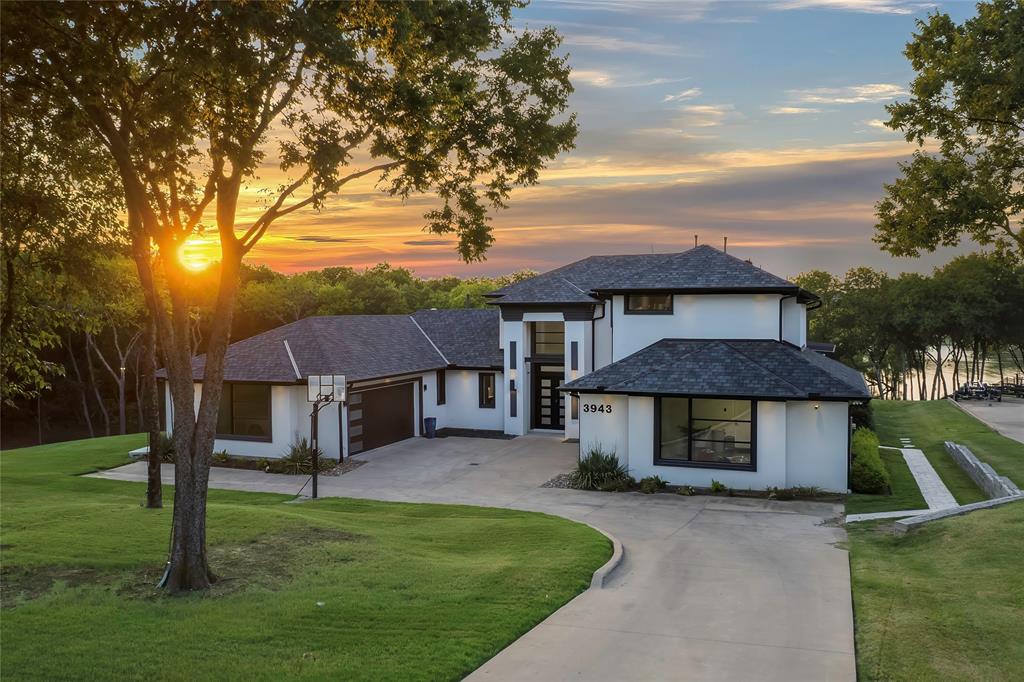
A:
{"points": [[261, 562]]}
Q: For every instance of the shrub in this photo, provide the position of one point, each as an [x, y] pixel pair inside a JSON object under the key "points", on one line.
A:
{"points": [[718, 486], [686, 490], [299, 459], [862, 416], [652, 484], [263, 464], [220, 457], [166, 449], [598, 469], [867, 474], [618, 485]]}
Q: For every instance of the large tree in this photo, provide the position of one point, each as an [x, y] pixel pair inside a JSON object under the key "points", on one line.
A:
{"points": [[969, 97], [192, 100]]}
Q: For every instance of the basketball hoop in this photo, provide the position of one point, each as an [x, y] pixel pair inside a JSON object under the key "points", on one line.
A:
{"points": [[321, 390], [325, 388]]}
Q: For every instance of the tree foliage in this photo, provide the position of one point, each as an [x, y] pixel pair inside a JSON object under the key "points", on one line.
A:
{"points": [[900, 331], [58, 210], [969, 96], [192, 99]]}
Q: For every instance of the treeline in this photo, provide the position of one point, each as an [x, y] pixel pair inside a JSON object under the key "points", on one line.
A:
{"points": [[92, 363], [901, 332]]}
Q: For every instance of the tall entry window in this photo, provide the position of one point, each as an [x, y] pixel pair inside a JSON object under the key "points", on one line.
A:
{"points": [[244, 412], [488, 388], [706, 432]]}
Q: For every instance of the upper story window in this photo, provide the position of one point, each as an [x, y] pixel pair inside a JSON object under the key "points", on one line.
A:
{"points": [[548, 338], [244, 412], [649, 304]]}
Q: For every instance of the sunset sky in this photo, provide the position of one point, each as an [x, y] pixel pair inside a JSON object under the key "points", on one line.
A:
{"points": [[760, 121]]}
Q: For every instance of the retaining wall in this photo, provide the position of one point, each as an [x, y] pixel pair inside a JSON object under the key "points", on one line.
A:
{"points": [[991, 483]]}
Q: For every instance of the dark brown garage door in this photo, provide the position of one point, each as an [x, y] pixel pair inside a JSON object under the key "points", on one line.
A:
{"points": [[380, 416]]}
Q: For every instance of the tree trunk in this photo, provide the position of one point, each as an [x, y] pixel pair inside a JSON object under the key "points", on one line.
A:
{"points": [[81, 389], [95, 386], [150, 403]]}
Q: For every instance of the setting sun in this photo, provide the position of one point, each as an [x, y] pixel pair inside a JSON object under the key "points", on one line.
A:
{"points": [[195, 254]]}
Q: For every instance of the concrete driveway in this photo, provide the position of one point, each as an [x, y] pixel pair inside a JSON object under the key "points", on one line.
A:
{"points": [[709, 588], [1006, 417]]}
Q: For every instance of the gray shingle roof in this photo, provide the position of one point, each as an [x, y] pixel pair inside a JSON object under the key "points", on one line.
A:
{"points": [[761, 369], [364, 346], [358, 346], [700, 268], [467, 337]]}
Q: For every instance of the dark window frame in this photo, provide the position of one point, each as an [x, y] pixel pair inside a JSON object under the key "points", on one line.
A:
{"points": [[536, 332], [483, 379], [228, 387], [658, 461], [441, 380], [627, 310]]}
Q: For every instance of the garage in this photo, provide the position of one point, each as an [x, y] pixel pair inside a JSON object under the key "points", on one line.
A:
{"points": [[379, 416]]}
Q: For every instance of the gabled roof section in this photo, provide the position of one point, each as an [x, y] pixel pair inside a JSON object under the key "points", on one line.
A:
{"points": [[358, 346], [700, 269], [721, 368], [466, 337]]}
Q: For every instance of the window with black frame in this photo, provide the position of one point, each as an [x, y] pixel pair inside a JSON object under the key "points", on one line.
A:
{"points": [[488, 390], [244, 412], [548, 338], [706, 432], [651, 304]]}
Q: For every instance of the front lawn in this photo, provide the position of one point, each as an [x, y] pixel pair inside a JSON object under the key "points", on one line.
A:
{"points": [[929, 423], [337, 588], [944, 602]]}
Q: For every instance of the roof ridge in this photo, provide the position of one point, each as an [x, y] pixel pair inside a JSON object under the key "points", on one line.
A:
{"points": [[427, 337], [818, 357]]}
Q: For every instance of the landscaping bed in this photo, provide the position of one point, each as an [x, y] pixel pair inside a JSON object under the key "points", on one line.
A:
{"points": [[334, 588]]}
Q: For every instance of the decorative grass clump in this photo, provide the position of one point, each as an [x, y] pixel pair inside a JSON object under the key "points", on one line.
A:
{"points": [[600, 469]]}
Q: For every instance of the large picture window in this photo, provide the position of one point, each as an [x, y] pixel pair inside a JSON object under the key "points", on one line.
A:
{"points": [[705, 432], [649, 304], [244, 412]]}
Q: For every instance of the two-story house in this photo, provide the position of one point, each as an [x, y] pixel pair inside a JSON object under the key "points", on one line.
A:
{"points": [[694, 366]]}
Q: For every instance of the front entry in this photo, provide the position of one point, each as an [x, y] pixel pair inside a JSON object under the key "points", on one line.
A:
{"points": [[548, 406]]}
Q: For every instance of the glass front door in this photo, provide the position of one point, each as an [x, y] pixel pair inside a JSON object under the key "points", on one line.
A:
{"points": [[548, 406]]}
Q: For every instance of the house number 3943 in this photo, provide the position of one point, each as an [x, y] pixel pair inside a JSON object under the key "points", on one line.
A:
{"points": [[590, 407]]}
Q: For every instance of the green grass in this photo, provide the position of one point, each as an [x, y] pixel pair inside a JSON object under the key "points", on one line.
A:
{"points": [[905, 493], [943, 602], [408, 591], [929, 423]]}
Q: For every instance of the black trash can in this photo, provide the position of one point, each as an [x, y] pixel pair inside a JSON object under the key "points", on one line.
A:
{"points": [[430, 426]]}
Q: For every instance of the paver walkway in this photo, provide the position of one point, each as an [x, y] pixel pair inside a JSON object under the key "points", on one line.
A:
{"points": [[934, 491], [710, 588]]}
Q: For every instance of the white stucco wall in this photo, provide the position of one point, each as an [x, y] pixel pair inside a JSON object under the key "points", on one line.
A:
{"points": [[705, 316], [603, 337], [817, 444], [462, 402], [289, 413], [609, 430], [514, 330], [580, 333], [794, 322], [796, 443]]}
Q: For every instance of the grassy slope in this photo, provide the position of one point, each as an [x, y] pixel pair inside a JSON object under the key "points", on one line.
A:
{"points": [[409, 591], [943, 602], [928, 424], [905, 493]]}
